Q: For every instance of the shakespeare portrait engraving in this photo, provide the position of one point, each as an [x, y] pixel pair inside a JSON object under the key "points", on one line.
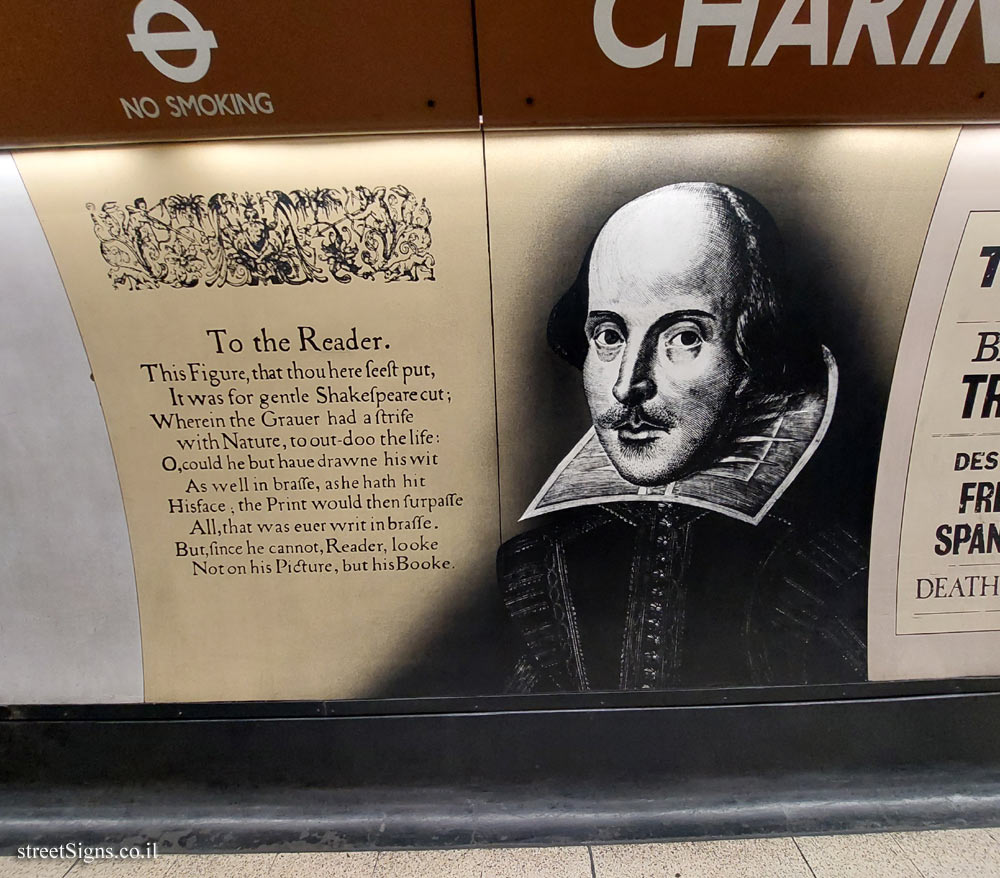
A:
{"points": [[668, 551]]}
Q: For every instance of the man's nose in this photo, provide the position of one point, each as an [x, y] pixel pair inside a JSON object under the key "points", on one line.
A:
{"points": [[635, 384]]}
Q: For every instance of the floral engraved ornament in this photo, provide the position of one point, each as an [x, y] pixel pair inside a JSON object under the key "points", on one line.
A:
{"points": [[248, 239]]}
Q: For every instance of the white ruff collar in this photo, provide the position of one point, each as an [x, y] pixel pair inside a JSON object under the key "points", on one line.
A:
{"points": [[766, 452]]}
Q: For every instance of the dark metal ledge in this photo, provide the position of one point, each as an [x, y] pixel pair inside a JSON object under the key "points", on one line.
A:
{"points": [[538, 777], [308, 820]]}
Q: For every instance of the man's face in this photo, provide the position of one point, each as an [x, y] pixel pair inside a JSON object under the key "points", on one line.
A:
{"points": [[662, 371]]}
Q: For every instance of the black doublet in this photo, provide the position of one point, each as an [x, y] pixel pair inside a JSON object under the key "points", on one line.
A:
{"points": [[633, 595]]}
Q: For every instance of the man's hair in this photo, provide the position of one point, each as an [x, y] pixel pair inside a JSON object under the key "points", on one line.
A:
{"points": [[773, 348]]}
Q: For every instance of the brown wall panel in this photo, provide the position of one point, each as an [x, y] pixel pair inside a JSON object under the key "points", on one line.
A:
{"points": [[541, 64], [325, 67]]}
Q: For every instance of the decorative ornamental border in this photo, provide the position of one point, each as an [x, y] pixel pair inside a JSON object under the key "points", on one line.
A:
{"points": [[248, 239]]}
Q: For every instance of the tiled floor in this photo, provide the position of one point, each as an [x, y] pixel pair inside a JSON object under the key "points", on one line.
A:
{"points": [[970, 853]]}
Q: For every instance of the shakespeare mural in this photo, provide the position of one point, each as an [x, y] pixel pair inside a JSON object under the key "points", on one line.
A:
{"points": [[668, 553]]}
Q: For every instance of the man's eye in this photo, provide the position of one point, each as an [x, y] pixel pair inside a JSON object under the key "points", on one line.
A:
{"points": [[608, 336], [686, 338], [683, 343]]}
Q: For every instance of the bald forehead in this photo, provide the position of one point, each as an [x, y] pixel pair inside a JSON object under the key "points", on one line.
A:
{"points": [[671, 241]]}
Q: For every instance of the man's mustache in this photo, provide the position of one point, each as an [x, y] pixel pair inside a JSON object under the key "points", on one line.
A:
{"points": [[634, 418]]}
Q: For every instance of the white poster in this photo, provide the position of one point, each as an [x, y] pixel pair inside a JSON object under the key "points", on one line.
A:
{"points": [[934, 607]]}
